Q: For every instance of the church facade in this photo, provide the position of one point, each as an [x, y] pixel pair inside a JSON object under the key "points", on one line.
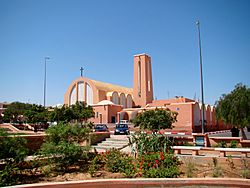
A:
{"points": [[113, 103]]}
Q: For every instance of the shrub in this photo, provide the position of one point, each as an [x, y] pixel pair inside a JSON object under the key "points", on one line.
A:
{"points": [[245, 172], [116, 161], [113, 161], [159, 165], [230, 162], [145, 143], [217, 170], [95, 165], [222, 144], [190, 168], [62, 146], [233, 144], [9, 175], [13, 151]]}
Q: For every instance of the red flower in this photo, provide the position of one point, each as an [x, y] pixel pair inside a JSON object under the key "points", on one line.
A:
{"points": [[157, 161], [149, 164], [141, 163], [161, 156]]}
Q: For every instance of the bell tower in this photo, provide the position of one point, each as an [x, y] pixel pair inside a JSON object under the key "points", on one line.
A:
{"points": [[143, 86]]}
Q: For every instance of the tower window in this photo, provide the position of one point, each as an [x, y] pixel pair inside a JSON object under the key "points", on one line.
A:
{"points": [[139, 78]]}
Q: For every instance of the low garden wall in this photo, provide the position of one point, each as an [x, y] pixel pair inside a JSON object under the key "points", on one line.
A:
{"points": [[34, 142], [152, 182], [214, 141], [182, 141], [98, 137]]}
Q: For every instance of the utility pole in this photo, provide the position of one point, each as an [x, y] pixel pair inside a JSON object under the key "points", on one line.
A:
{"points": [[44, 88], [201, 75]]}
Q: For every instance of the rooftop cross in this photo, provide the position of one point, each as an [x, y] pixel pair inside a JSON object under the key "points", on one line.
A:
{"points": [[81, 69]]}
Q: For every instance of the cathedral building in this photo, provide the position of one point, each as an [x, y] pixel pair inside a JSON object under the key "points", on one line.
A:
{"points": [[113, 103]]}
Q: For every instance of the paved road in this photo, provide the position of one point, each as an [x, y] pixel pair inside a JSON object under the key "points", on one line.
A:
{"points": [[228, 134]]}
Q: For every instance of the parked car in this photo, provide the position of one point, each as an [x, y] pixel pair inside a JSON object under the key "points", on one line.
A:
{"points": [[101, 128], [121, 128]]}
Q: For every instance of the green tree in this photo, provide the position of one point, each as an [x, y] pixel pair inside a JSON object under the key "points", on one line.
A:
{"points": [[35, 114], [14, 111], [63, 114], [82, 112], [234, 108], [155, 119]]}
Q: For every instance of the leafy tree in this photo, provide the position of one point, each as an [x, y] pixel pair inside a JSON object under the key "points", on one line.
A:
{"points": [[82, 112], [37, 113], [14, 111], [234, 108], [64, 114], [155, 119]]}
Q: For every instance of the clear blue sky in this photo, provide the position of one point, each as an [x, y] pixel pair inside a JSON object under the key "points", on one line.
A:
{"points": [[103, 36]]}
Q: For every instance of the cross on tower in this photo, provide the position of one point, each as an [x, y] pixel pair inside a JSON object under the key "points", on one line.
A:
{"points": [[81, 69]]}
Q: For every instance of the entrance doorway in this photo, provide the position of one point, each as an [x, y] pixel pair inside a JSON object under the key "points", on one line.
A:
{"points": [[113, 119]]}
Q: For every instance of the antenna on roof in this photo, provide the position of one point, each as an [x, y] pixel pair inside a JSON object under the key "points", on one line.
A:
{"points": [[195, 96]]}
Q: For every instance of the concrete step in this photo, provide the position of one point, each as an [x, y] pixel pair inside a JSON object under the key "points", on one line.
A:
{"points": [[106, 147], [116, 142], [117, 139], [115, 145]]}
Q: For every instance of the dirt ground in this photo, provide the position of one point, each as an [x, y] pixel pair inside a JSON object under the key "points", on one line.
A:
{"points": [[236, 167], [196, 167]]}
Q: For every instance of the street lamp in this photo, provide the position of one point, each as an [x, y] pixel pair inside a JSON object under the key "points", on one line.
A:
{"points": [[44, 89], [202, 94]]}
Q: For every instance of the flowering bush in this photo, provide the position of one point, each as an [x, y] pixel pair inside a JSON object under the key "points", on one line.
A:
{"points": [[158, 165], [145, 143], [150, 165], [114, 161]]}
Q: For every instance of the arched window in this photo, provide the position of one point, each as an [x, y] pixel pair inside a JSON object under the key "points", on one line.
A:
{"points": [[139, 78], [89, 93], [72, 96], [207, 114], [115, 98], [197, 115], [129, 101], [81, 91], [211, 114], [123, 100]]}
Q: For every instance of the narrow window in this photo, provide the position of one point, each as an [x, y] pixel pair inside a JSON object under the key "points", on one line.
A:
{"points": [[139, 78]]}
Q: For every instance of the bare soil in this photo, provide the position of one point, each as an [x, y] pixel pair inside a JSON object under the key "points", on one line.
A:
{"points": [[196, 167]]}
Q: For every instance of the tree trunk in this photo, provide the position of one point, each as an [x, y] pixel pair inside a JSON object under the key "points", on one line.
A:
{"points": [[244, 137]]}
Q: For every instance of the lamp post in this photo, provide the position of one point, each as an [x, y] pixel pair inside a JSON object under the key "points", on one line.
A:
{"points": [[201, 75], [44, 88]]}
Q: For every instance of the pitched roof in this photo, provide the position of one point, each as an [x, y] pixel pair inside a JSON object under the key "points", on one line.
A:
{"points": [[111, 87]]}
